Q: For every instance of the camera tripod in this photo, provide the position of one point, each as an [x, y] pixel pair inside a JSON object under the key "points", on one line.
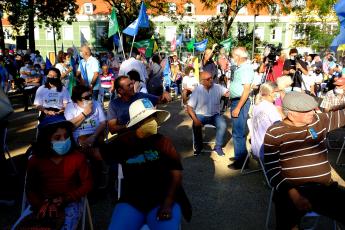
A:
{"points": [[269, 69]]}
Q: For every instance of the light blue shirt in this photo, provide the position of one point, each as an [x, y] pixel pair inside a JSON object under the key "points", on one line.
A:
{"points": [[91, 66], [243, 75], [207, 102]]}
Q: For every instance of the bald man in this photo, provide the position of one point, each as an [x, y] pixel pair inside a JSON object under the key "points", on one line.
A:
{"points": [[91, 71]]}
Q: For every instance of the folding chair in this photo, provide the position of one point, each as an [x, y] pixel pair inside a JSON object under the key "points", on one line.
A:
{"points": [[204, 128], [6, 151], [340, 153], [251, 154]]}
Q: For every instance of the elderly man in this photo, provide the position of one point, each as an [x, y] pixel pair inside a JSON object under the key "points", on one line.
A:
{"points": [[296, 163], [91, 69], [204, 108], [240, 103], [118, 112], [134, 64]]}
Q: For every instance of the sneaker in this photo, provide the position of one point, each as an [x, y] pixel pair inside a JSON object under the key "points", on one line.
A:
{"points": [[219, 151], [197, 153]]}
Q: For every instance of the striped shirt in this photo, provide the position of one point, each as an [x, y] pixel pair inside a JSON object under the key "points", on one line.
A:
{"points": [[296, 155]]}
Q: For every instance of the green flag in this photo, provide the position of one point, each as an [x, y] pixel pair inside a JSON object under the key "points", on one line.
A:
{"points": [[113, 24], [145, 47], [190, 45], [226, 44]]}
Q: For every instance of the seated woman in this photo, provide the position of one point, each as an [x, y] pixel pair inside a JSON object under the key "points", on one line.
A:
{"points": [[58, 175], [52, 97], [139, 85], [152, 192], [264, 115], [89, 121]]}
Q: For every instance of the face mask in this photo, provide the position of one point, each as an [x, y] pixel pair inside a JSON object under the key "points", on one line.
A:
{"points": [[338, 91], [191, 74], [292, 57], [53, 81], [86, 102], [147, 129], [61, 147]]}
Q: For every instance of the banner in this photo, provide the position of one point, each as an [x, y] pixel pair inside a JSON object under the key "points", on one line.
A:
{"points": [[173, 45], [145, 47], [340, 11], [190, 45], [201, 46], [113, 24], [196, 68]]}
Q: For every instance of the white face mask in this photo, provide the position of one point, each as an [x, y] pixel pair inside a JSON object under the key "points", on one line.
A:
{"points": [[338, 91], [292, 57]]}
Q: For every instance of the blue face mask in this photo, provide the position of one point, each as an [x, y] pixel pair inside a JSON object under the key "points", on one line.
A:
{"points": [[61, 147]]}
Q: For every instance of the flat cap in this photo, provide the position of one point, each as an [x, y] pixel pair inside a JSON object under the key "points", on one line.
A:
{"points": [[299, 102]]}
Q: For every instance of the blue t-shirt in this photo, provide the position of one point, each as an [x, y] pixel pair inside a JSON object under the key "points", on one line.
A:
{"points": [[119, 109]]}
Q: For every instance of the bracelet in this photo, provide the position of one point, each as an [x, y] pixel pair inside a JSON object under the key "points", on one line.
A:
{"points": [[84, 114]]}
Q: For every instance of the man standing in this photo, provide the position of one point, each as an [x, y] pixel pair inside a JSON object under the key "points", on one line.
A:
{"points": [[118, 112], [204, 108], [133, 64], [295, 67], [296, 164], [91, 68], [240, 103]]}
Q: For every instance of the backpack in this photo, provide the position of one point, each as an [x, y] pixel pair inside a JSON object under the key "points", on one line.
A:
{"points": [[154, 84]]}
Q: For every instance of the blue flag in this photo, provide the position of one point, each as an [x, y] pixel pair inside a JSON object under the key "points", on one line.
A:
{"points": [[179, 40], [201, 46], [340, 11], [116, 40], [48, 63], [83, 72], [338, 40], [141, 22], [167, 72]]}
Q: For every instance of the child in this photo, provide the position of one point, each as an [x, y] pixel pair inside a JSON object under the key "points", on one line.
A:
{"points": [[107, 83]]}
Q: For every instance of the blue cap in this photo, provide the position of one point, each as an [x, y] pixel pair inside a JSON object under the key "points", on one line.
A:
{"points": [[53, 120]]}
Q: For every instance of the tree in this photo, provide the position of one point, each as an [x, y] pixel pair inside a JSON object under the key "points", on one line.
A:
{"points": [[232, 7], [50, 13], [313, 24]]}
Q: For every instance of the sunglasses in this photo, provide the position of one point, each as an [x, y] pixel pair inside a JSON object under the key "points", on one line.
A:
{"points": [[87, 97]]}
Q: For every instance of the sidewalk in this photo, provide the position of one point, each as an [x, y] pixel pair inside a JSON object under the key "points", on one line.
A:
{"points": [[222, 199]]}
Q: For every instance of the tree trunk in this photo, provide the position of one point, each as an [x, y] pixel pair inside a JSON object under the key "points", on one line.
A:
{"points": [[2, 37], [31, 24]]}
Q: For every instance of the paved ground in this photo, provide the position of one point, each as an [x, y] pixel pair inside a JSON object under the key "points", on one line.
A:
{"points": [[221, 198]]}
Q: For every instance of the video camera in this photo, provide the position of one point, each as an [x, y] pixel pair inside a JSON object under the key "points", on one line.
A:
{"points": [[271, 52]]}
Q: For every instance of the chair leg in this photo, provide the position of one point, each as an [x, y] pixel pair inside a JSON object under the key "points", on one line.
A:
{"points": [[245, 162], [268, 216], [340, 153], [264, 172]]}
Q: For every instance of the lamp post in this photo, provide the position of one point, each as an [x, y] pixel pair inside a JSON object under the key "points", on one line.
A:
{"points": [[253, 45]]}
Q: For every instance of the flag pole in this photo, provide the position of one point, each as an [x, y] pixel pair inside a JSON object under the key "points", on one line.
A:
{"points": [[130, 53], [123, 49]]}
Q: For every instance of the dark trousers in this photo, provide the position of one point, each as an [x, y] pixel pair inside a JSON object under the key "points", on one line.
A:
{"points": [[325, 200]]}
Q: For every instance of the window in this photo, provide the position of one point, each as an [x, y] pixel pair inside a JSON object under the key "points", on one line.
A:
{"points": [[221, 8], [188, 33], [100, 30], [68, 33], [170, 32], [49, 34], [172, 7], [7, 34], [276, 34], [299, 31], [260, 33], [298, 3], [84, 34], [243, 10], [242, 31], [88, 8], [189, 8], [37, 33]]}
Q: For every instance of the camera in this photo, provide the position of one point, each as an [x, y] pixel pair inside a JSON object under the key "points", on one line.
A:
{"points": [[298, 57], [271, 52]]}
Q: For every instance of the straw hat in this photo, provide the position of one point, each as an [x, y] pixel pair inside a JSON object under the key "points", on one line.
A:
{"points": [[143, 108]]}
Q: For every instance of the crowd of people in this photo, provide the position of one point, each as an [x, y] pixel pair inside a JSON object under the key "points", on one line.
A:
{"points": [[293, 102]]}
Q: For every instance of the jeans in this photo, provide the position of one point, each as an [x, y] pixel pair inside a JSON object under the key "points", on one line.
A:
{"points": [[127, 217], [216, 120], [239, 129], [95, 95]]}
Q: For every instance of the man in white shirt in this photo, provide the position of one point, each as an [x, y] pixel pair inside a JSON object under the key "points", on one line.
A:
{"points": [[204, 108], [133, 64], [91, 68]]}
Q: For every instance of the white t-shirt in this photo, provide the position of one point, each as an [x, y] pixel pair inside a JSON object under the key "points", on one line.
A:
{"points": [[90, 124], [50, 98], [264, 115], [133, 64], [309, 81], [189, 82]]}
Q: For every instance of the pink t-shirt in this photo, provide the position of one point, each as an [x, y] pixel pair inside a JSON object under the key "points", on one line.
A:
{"points": [[106, 80]]}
